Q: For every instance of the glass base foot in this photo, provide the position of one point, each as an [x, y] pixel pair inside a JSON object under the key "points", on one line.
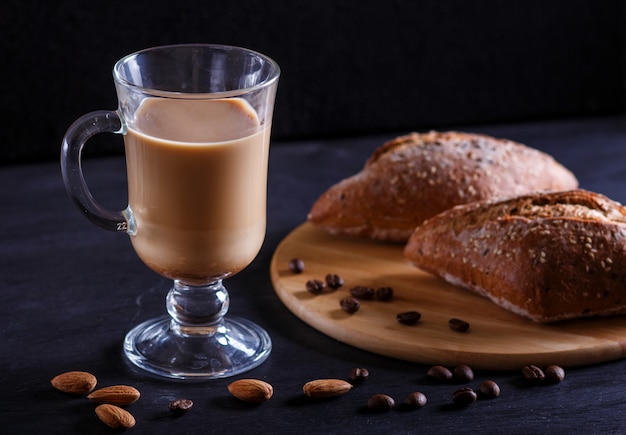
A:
{"points": [[166, 348]]}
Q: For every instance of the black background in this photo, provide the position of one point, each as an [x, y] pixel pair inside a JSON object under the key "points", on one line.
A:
{"points": [[350, 67], [547, 73]]}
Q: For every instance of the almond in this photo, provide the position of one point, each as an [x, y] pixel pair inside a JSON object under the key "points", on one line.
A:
{"points": [[75, 382], [120, 395], [322, 388], [115, 417], [251, 390]]}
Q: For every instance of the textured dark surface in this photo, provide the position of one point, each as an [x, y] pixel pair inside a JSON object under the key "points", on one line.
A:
{"points": [[350, 67], [70, 291]]}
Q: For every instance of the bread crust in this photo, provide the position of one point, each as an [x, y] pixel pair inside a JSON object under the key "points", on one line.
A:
{"points": [[414, 177], [547, 257]]}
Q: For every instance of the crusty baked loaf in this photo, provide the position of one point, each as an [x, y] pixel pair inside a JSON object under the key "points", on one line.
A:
{"points": [[548, 257], [416, 176]]}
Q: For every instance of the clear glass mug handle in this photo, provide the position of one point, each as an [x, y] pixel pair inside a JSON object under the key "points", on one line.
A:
{"points": [[75, 139]]}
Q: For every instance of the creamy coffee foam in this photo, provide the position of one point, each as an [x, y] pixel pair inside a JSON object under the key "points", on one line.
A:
{"points": [[197, 177]]}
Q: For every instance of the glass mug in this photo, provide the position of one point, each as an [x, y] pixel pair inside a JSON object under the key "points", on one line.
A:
{"points": [[196, 123]]}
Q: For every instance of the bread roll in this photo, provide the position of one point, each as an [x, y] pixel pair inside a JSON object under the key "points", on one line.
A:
{"points": [[548, 257], [414, 177]]}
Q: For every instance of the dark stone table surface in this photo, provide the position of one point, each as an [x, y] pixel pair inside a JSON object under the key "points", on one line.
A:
{"points": [[70, 292]]}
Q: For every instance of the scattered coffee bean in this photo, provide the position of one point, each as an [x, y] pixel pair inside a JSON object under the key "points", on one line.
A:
{"points": [[463, 373], [296, 265], [380, 403], [315, 286], [489, 389], [408, 317], [384, 294], [439, 373], [180, 406], [464, 396], [533, 374], [554, 374], [334, 281], [415, 400], [358, 375], [362, 292], [350, 305], [458, 325]]}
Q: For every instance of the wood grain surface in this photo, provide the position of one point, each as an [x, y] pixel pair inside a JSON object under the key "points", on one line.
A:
{"points": [[496, 339]]}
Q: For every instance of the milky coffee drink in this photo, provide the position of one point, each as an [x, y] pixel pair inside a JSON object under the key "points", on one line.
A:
{"points": [[197, 180]]}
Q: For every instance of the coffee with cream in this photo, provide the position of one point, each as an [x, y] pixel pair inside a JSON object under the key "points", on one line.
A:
{"points": [[197, 177]]}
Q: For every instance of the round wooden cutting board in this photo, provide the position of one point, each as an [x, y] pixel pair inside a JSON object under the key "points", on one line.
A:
{"points": [[496, 339]]}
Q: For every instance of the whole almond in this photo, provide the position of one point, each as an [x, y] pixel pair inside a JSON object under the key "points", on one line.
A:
{"points": [[115, 417], [251, 390], [120, 395], [323, 388], [74, 382]]}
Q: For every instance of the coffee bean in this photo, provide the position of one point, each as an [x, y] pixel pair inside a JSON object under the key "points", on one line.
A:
{"points": [[554, 374], [408, 317], [358, 375], [463, 373], [334, 281], [296, 265], [380, 403], [415, 400], [362, 292], [384, 294], [464, 397], [315, 286], [350, 305], [458, 325], [439, 373], [533, 374], [489, 389], [180, 406]]}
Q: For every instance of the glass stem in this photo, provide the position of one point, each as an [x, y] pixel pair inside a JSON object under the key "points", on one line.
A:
{"points": [[193, 306]]}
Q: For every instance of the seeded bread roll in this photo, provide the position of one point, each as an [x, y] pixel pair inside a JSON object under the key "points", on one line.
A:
{"points": [[548, 257], [416, 176]]}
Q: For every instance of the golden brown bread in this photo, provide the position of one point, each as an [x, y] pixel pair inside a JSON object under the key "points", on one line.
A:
{"points": [[416, 176], [548, 257]]}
